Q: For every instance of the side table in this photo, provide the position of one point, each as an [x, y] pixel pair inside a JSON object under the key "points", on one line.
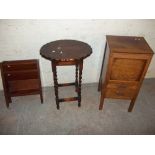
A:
{"points": [[64, 53]]}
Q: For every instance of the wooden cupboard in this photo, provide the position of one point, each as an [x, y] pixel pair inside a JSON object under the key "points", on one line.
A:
{"points": [[125, 62]]}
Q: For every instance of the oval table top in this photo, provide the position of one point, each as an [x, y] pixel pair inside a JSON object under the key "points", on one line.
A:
{"points": [[65, 50]]}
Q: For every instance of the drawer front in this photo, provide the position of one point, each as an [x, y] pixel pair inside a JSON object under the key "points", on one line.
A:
{"points": [[21, 75], [121, 90], [12, 66]]}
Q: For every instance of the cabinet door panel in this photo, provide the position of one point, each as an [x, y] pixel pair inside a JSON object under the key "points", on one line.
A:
{"points": [[127, 69]]}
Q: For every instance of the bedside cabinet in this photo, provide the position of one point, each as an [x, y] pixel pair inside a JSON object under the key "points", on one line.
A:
{"points": [[21, 77], [125, 63]]}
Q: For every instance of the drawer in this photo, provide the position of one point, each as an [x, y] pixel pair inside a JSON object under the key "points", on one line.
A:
{"points": [[21, 75], [19, 65], [121, 90]]}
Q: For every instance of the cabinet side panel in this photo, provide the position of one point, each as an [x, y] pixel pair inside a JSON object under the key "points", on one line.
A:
{"points": [[105, 64]]}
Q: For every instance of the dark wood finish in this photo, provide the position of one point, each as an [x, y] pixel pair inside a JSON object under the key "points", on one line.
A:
{"points": [[66, 84], [65, 53], [55, 83], [80, 80], [21, 77], [68, 99], [125, 63], [66, 50], [76, 78], [0, 65]]}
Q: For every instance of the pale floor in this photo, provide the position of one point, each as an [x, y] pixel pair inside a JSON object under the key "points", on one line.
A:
{"points": [[27, 115]]}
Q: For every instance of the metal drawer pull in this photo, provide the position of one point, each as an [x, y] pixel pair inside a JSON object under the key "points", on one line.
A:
{"points": [[9, 66], [9, 74]]}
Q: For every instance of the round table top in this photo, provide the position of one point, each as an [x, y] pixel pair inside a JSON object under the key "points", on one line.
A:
{"points": [[65, 50]]}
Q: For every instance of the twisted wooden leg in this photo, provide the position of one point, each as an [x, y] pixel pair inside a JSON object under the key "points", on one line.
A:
{"points": [[80, 80], [76, 77], [55, 83]]}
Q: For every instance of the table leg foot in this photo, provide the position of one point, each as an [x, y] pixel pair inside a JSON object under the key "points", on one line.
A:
{"points": [[41, 97], [102, 99], [79, 104], [131, 105], [58, 107]]}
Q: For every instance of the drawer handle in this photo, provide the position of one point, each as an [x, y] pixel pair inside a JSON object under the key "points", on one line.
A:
{"points": [[9, 66], [9, 74]]}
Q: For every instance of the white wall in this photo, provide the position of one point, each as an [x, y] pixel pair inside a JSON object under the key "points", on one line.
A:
{"points": [[22, 39]]}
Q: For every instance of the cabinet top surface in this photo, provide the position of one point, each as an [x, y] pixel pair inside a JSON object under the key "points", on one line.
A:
{"points": [[65, 49], [128, 44]]}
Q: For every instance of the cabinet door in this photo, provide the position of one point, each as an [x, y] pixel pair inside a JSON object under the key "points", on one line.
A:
{"points": [[129, 67]]}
